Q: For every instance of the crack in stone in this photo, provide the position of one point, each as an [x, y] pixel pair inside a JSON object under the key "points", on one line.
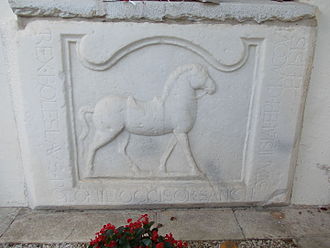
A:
{"points": [[65, 239], [239, 225], [16, 215]]}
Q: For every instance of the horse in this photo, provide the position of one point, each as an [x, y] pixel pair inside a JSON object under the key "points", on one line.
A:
{"points": [[174, 112]]}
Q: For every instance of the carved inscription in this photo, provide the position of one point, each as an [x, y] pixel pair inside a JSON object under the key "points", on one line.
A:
{"points": [[287, 65], [151, 195], [47, 88]]}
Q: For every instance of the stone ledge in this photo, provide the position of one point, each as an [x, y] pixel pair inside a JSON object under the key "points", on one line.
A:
{"points": [[258, 11], [251, 243], [196, 225]]}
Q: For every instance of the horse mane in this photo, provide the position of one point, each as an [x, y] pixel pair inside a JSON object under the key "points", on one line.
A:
{"points": [[175, 75]]}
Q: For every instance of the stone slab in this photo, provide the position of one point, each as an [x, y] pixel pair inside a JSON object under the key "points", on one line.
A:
{"points": [[7, 216], [314, 242], [256, 10], [267, 226], [64, 226], [204, 120], [84, 166], [261, 223], [307, 222], [200, 224], [284, 222]]}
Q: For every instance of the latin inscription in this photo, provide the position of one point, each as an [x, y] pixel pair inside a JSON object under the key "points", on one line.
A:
{"points": [[288, 67], [47, 85], [151, 196]]}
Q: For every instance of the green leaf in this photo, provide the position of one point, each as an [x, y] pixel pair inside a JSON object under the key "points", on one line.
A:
{"points": [[109, 233], [147, 226], [147, 242], [125, 235], [167, 245], [124, 243], [121, 229], [139, 232]]}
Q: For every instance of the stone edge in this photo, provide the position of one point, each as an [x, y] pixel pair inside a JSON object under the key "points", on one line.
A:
{"points": [[234, 10]]}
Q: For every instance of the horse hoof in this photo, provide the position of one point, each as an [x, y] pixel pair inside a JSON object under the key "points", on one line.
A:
{"points": [[90, 172], [137, 171]]}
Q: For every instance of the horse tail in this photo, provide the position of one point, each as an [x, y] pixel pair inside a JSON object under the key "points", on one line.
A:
{"points": [[85, 127]]}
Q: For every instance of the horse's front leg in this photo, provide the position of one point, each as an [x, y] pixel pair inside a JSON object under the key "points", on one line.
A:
{"points": [[122, 148], [163, 160], [184, 142]]}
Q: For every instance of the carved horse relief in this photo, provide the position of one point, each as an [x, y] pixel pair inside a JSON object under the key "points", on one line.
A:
{"points": [[174, 112]]}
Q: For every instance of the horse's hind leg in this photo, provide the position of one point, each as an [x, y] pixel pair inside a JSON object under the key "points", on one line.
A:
{"points": [[123, 149], [184, 142], [100, 139], [163, 160]]}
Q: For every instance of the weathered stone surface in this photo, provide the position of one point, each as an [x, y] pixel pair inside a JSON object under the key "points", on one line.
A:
{"points": [[262, 224], [11, 170], [307, 222], [200, 224], [7, 215], [314, 242], [286, 222], [275, 227], [256, 10], [141, 114], [71, 226]]}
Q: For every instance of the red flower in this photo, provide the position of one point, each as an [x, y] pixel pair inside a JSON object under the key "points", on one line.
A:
{"points": [[111, 244], [179, 244], [134, 231], [154, 235], [160, 245], [144, 219], [169, 238]]}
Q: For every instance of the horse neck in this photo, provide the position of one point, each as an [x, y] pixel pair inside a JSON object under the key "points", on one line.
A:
{"points": [[179, 91]]}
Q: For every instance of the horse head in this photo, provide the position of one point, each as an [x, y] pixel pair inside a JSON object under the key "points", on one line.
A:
{"points": [[195, 75], [201, 80]]}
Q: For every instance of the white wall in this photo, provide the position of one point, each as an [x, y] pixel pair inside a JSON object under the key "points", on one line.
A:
{"points": [[11, 172], [312, 179]]}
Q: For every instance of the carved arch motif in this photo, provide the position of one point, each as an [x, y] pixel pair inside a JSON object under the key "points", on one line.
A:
{"points": [[174, 41]]}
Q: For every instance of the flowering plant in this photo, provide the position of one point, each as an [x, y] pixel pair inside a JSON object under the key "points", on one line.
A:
{"points": [[138, 234]]}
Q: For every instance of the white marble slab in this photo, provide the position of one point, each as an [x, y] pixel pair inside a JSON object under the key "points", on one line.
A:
{"points": [[141, 114]]}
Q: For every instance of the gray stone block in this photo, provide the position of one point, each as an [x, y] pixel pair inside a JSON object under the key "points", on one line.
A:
{"points": [[7, 216], [58, 226], [200, 224], [262, 223]]}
